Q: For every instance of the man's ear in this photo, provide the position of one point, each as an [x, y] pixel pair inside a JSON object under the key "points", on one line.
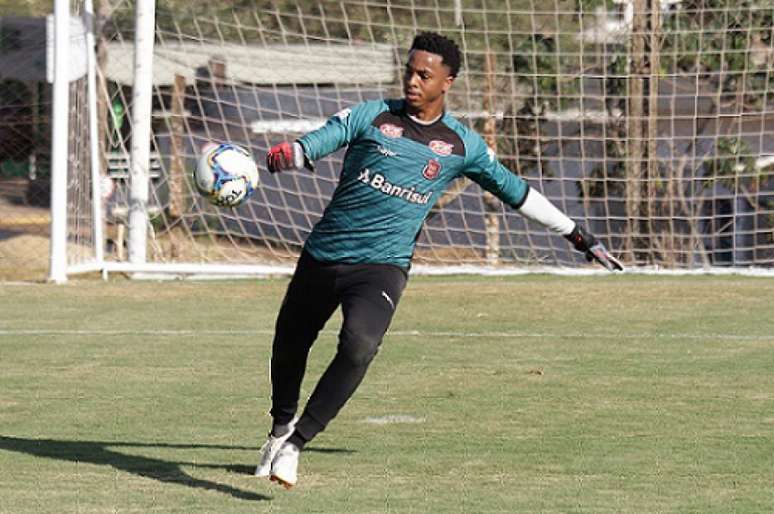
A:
{"points": [[447, 84]]}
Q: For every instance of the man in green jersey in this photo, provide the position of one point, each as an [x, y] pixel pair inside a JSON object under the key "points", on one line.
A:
{"points": [[401, 155]]}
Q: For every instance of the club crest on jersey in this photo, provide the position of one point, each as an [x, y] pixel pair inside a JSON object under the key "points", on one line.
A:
{"points": [[390, 130], [440, 147], [431, 169]]}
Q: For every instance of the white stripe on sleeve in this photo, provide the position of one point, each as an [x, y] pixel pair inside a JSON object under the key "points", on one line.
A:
{"points": [[536, 207]]}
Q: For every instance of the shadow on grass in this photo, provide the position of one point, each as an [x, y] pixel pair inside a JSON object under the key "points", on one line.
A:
{"points": [[241, 469], [316, 449], [96, 452]]}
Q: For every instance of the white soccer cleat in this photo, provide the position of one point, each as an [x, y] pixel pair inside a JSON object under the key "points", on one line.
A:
{"points": [[284, 469], [269, 451]]}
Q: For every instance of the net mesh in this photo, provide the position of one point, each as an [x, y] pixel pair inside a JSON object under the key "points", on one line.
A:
{"points": [[651, 123], [80, 213], [25, 107]]}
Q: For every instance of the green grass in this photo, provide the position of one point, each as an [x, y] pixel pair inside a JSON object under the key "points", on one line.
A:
{"points": [[532, 394]]}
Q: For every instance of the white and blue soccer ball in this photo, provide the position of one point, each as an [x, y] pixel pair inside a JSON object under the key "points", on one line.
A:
{"points": [[225, 174]]}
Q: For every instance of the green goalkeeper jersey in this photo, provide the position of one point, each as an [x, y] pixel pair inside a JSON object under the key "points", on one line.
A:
{"points": [[394, 170]]}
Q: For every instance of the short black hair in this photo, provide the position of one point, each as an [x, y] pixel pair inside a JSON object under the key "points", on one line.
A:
{"points": [[437, 44]]}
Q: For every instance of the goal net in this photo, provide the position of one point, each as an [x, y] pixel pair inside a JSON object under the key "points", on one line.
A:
{"points": [[651, 123]]}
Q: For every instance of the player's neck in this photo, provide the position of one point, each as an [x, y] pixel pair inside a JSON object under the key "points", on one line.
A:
{"points": [[426, 116], [424, 122]]}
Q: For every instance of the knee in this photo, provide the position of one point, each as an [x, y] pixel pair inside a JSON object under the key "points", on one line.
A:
{"points": [[358, 348]]}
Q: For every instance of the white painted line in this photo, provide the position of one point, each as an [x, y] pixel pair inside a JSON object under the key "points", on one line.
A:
{"points": [[392, 419], [397, 333]]}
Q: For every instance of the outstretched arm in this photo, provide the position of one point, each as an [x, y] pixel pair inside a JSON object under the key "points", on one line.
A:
{"points": [[486, 170], [536, 207]]}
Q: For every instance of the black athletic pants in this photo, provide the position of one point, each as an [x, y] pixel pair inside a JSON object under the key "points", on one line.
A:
{"points": [[368, 295]]}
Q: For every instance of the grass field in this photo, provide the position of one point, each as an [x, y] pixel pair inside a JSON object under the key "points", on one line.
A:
{"points": [[533, 394]]}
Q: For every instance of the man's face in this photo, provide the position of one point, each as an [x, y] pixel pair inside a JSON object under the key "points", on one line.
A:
{"points": [[426, 79]]}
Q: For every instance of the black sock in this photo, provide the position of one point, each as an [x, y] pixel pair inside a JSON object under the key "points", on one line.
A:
{"points": [[297, 439]]}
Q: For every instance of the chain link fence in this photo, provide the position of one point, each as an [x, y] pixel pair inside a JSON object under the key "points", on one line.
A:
{"points": [[25, 141]]}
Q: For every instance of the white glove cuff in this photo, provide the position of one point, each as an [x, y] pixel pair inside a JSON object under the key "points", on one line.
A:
{"points": [[298, 155], [536, 207]]}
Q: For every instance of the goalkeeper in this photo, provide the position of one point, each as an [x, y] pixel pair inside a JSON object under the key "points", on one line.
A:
{"points": [[401, 155]]}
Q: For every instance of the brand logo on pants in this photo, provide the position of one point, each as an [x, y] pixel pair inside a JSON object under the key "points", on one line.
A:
{"points": [[389, 300]]}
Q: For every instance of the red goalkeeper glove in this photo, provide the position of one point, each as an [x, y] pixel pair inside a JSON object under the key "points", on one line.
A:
{"points": [[280, 158], [593, 249]]}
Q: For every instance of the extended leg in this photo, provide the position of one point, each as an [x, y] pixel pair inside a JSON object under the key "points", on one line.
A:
{"points": [[308, 304], [369, 295]]}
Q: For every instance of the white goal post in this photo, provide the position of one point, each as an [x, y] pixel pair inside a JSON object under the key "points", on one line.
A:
{"points": [[652, 123], [75, 165]]}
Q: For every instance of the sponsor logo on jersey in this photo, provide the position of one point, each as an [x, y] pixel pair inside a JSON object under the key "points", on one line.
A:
{"points": [[431, 169], [386, 152], [381, 184], [390, 130], [440, 147]]}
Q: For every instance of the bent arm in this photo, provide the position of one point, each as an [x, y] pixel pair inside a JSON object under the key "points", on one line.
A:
{"points": [[340, 129], [337, 132]]}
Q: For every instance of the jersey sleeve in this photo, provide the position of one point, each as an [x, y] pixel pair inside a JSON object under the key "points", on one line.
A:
{"points": [[340, 129], [484, 169]]}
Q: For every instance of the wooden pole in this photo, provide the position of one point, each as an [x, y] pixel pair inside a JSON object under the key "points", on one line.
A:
{"points": [[653, 167], [103, 127], [492, 205], [635, 147], [177, 166]]}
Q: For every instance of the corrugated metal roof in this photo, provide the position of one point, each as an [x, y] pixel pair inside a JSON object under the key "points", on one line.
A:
{"points": [[275, 64]]}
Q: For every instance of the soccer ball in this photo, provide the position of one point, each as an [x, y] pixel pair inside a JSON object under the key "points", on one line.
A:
{"points": [[226, 174]]}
